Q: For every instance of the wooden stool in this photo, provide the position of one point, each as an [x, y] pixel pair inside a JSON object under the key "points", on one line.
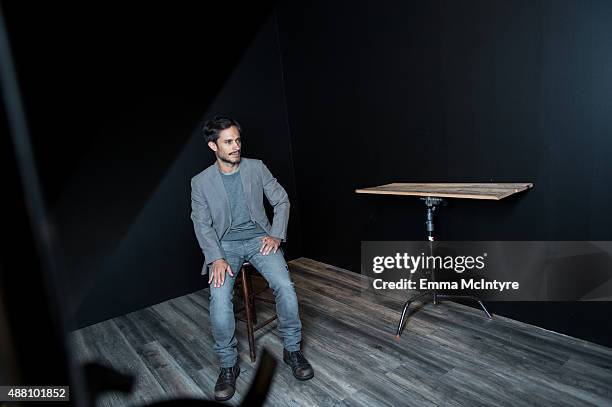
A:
{"points": [[249, 298]]}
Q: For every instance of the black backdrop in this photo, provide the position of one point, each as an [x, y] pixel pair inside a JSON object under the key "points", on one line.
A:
{"points": [[334, 96], [115, 97], [446, 91]]}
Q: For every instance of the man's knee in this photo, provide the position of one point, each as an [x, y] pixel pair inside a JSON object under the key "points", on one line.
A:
{"points": [[282, 284], [221, 297]]}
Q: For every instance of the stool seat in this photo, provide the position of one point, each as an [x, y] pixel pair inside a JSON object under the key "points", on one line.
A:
{"points": [[249, 297]]}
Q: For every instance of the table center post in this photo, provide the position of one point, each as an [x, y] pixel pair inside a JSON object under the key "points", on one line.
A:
{"points": [[431, 202]]}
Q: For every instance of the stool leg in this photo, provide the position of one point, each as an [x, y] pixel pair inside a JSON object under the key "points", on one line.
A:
{"points": [[246, 293], [252, 298]]}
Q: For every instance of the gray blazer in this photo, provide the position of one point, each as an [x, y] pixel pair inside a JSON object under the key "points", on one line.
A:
{"points": [[211, 213]]}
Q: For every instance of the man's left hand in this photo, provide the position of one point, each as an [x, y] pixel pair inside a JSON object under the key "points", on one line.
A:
{"points": [[269, 244]]}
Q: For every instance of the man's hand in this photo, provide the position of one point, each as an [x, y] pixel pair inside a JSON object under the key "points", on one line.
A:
{"points": [[268, 244], [217, 272]]}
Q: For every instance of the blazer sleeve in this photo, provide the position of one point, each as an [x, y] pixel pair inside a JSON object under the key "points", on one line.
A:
{"points": [[202, 224], [278, 198]]}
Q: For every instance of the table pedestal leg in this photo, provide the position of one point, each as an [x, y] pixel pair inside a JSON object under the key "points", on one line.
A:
{"points": [[432, 203]]}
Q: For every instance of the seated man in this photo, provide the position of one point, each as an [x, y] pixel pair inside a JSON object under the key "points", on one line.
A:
{"points": [[231, 226]]}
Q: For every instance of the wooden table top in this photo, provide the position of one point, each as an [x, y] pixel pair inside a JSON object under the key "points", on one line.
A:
{"points": [[493, 191]]}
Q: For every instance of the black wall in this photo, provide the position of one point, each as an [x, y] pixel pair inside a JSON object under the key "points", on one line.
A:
{"points": [[115, 99], [445, 91]]}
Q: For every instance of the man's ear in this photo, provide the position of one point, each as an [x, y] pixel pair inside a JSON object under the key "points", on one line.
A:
{"points": [[213, 146]]}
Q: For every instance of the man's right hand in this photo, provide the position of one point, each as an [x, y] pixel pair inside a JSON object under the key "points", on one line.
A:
{"points": [[217, 272]]}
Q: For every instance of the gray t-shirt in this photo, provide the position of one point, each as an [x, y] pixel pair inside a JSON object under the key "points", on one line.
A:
{"points": [[242, 227]]}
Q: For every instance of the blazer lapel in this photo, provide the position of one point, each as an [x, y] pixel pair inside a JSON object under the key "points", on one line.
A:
{"points": [[245, 176]]}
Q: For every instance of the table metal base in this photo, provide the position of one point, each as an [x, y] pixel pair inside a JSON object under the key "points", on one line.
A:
{"points": [[437, 298], [432, 203]]}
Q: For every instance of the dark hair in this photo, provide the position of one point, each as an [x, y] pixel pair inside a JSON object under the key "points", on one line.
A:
{"points": [[216, 125]]}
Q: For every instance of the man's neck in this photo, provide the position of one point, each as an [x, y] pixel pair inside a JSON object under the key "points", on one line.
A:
{"points": [[227, 168]]}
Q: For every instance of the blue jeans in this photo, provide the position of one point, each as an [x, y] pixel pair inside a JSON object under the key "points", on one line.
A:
{"points": [[275, 270]]}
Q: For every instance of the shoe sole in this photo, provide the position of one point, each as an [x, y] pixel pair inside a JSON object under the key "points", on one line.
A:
{"points": [[232, 395], [300, 378]]}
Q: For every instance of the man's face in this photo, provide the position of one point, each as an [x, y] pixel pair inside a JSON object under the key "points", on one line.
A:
{"points": [[227, 147]]}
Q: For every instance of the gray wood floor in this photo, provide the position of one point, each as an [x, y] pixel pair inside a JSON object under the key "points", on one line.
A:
{"points": [[448, 355]]}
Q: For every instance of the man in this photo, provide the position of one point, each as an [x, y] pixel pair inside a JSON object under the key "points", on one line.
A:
{"points": [[231, 226]]}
